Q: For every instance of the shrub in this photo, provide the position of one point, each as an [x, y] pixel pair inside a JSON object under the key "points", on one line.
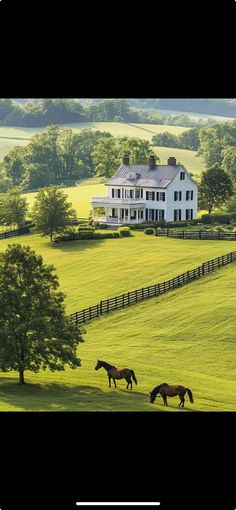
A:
{"points": [[86, 235], [66, 236], [85, 228], [116, 234], [219, 218], [124, 231], [149, 231]]}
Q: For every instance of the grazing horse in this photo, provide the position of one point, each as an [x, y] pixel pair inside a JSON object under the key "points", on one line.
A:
{"points": [[166, 390], [117, 373]]}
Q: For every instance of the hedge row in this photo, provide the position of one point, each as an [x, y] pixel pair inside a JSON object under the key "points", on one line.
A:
{"points": [[225, 218], [89, 233]]}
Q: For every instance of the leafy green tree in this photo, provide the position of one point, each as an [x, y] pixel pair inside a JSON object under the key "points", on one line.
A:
{"points": [[165, 139], [13, 208], [139, 150], [52, 211], [229, 161], [34, 330], [216, 188], [106, 157], [86, 143], [14, 164], [6, 106]]}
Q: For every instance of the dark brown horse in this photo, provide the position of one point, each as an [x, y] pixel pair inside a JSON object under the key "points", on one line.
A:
{"points": [[117, 373], [166, 390]]}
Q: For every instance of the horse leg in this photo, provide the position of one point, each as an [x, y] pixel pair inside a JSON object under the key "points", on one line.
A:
{"points": [[183, 400], [109, 381], [114, 382], [180, 401]]}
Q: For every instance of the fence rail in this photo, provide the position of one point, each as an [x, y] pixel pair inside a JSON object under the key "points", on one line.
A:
{"points": [[16, 232], [130, 298], [198, 234]]}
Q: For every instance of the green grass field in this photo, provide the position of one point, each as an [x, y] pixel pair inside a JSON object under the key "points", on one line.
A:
{"points": [[184, 337]]}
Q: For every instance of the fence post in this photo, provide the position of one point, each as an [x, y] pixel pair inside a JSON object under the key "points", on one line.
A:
{"points": [[100, 307], [183, 234]]}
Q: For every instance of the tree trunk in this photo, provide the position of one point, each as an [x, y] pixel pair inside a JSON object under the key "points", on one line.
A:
{"points": [[22, 379], [51, 236]]}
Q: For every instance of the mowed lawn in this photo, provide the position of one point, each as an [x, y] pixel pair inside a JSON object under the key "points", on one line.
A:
{"points": [[184, 337]]}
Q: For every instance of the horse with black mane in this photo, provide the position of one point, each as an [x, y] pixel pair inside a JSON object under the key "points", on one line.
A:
{"points": [[117, 373], [166, 390]]}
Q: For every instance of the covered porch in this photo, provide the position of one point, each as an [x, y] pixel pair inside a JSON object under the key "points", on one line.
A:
{"points": [[117, 212]]}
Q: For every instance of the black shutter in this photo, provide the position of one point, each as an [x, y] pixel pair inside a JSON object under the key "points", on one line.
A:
{"points": [[164, 197], [153, 195], [141, 193], [157, 195], [191, 195], [146, 195], [146, 212], [156, 214], [179, 214], [131, 193], [191, 213], [175, 195], [175, 215], [118, 193], [112, 192], [180, 195]]}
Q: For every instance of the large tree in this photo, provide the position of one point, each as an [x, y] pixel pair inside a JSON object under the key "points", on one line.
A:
{"points": [[106, 157], [34, 330], [229, 161], [139, 150], [216, 188], [52, 211], [13, 208]]}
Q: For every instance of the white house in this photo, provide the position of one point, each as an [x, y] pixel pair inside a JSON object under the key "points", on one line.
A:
{"points": [[138, 193]]}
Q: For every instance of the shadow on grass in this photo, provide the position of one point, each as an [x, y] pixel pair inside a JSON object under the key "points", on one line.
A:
{"points": [[60, 397]]}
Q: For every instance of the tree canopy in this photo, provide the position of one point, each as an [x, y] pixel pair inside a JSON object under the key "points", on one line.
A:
{"points": [[34, 330]]}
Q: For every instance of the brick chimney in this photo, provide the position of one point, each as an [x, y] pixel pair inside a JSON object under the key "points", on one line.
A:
{"points": [[171, 161], [152, 161], [126, 159]]}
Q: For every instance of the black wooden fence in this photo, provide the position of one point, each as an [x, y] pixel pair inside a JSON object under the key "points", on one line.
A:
{"points": [[135, 296], [198, 234], [16, 232]]}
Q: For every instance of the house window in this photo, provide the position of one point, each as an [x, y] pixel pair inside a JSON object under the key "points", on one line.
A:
{"points": [[157, 196], [128, 193], [191, 195], [116, 193], [187, 195], [150, 195], [177, 215], [141, 215], [162, 196], [161, 214], [189, 214], [182, 176], [178, 195], [151, 214]]}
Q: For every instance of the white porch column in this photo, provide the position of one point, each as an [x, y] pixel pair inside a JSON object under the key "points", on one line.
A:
{"points": [[128, 214], [118, 214], [137, 215]]}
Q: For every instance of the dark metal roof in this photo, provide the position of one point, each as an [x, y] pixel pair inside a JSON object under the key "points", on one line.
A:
{"points": [[158, 176]]}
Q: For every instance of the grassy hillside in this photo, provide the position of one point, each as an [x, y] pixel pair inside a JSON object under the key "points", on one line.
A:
{"points": [[6, 144], [80, 196], [184, 337], [93, 270]]}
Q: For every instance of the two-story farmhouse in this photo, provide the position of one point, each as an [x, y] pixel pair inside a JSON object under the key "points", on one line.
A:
{"points": [[151, 192]]}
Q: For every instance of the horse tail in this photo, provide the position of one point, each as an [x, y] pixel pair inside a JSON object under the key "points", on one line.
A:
{"points": [[190, 395], [133, 376]]}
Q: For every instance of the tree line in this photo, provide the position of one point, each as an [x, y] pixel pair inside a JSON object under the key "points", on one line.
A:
{"points": [[62, 156], [63, 111]]}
